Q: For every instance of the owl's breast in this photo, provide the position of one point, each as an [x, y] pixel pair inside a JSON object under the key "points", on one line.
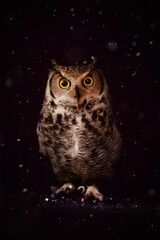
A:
{"points": [[84, 143]]}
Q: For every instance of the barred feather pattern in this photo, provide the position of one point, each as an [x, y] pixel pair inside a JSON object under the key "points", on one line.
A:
{"points": [[82, 141]]}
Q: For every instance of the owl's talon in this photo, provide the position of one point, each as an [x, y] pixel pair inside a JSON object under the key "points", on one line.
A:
{"points": [[92, 191], [81, 189], [66, 188]]}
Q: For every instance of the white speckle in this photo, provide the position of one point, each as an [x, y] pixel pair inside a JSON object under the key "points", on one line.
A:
{"points": [[135, 142], [145, 149], [138, 54], [134, 175], [12, 52], [9, 82], [90, 38], [26, 37], [84, 62], [112, 45], [151, 42], [91, 215], [25, 190], [134, 43], [100, 12], [151, 191], [18, 139], [133, 74], [2, 144], [152, 26], [129, 55], [72, 9], [87, 9], [46, 199], [122, 86], [20, 165], [71, 28]]}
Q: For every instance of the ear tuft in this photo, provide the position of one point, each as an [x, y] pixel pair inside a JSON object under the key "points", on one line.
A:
{"points": [[53, 61], [52, 64]]}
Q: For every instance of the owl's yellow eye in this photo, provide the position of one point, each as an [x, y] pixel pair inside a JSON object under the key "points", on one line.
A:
{"points": [[88, 82], [64, 83]]}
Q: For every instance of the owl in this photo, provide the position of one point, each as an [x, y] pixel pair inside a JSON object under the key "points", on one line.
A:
{"points": [[77, 130]]}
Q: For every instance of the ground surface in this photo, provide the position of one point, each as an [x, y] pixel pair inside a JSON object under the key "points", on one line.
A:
{"points": [[35, 216]]}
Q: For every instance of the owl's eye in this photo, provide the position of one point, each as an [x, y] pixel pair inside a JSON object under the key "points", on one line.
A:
{"points": [[88, 82], [64, 83]]}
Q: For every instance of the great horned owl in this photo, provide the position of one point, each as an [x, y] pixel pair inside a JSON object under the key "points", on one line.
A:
{"points": [[76, 128]]}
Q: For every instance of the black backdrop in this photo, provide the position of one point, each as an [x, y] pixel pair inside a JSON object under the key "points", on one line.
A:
{"points": [[124, 35]]}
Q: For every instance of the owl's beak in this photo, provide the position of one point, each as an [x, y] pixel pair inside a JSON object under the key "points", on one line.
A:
{"points": [[77, 93]]}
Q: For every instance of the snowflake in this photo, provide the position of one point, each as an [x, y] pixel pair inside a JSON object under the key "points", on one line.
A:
{"points": [[138, 54], [25, 190], [112, 45]]}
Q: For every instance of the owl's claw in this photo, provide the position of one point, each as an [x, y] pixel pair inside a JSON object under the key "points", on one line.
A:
{"points": [[92, 191], [81, 189], [66, 188]]}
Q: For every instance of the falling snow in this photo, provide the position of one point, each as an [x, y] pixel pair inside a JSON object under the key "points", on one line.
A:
{"points": [[138, 54], [128, 47], [112, 45]]}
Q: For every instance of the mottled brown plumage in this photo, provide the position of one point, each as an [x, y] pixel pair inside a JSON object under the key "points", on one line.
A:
{"points": [[76, 128]]}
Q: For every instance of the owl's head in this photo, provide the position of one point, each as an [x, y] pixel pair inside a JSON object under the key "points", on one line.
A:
{"points": [[75, 83]]}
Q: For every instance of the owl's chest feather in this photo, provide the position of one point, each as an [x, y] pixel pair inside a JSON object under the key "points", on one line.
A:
{"points": [[71, 131], [73, 151]]}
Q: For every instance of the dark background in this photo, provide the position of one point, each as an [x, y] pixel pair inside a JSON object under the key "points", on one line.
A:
{"points": [[124, 35]]}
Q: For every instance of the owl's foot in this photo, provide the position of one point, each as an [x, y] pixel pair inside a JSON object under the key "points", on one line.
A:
{"points": [[65, 188], [92, 191]]}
